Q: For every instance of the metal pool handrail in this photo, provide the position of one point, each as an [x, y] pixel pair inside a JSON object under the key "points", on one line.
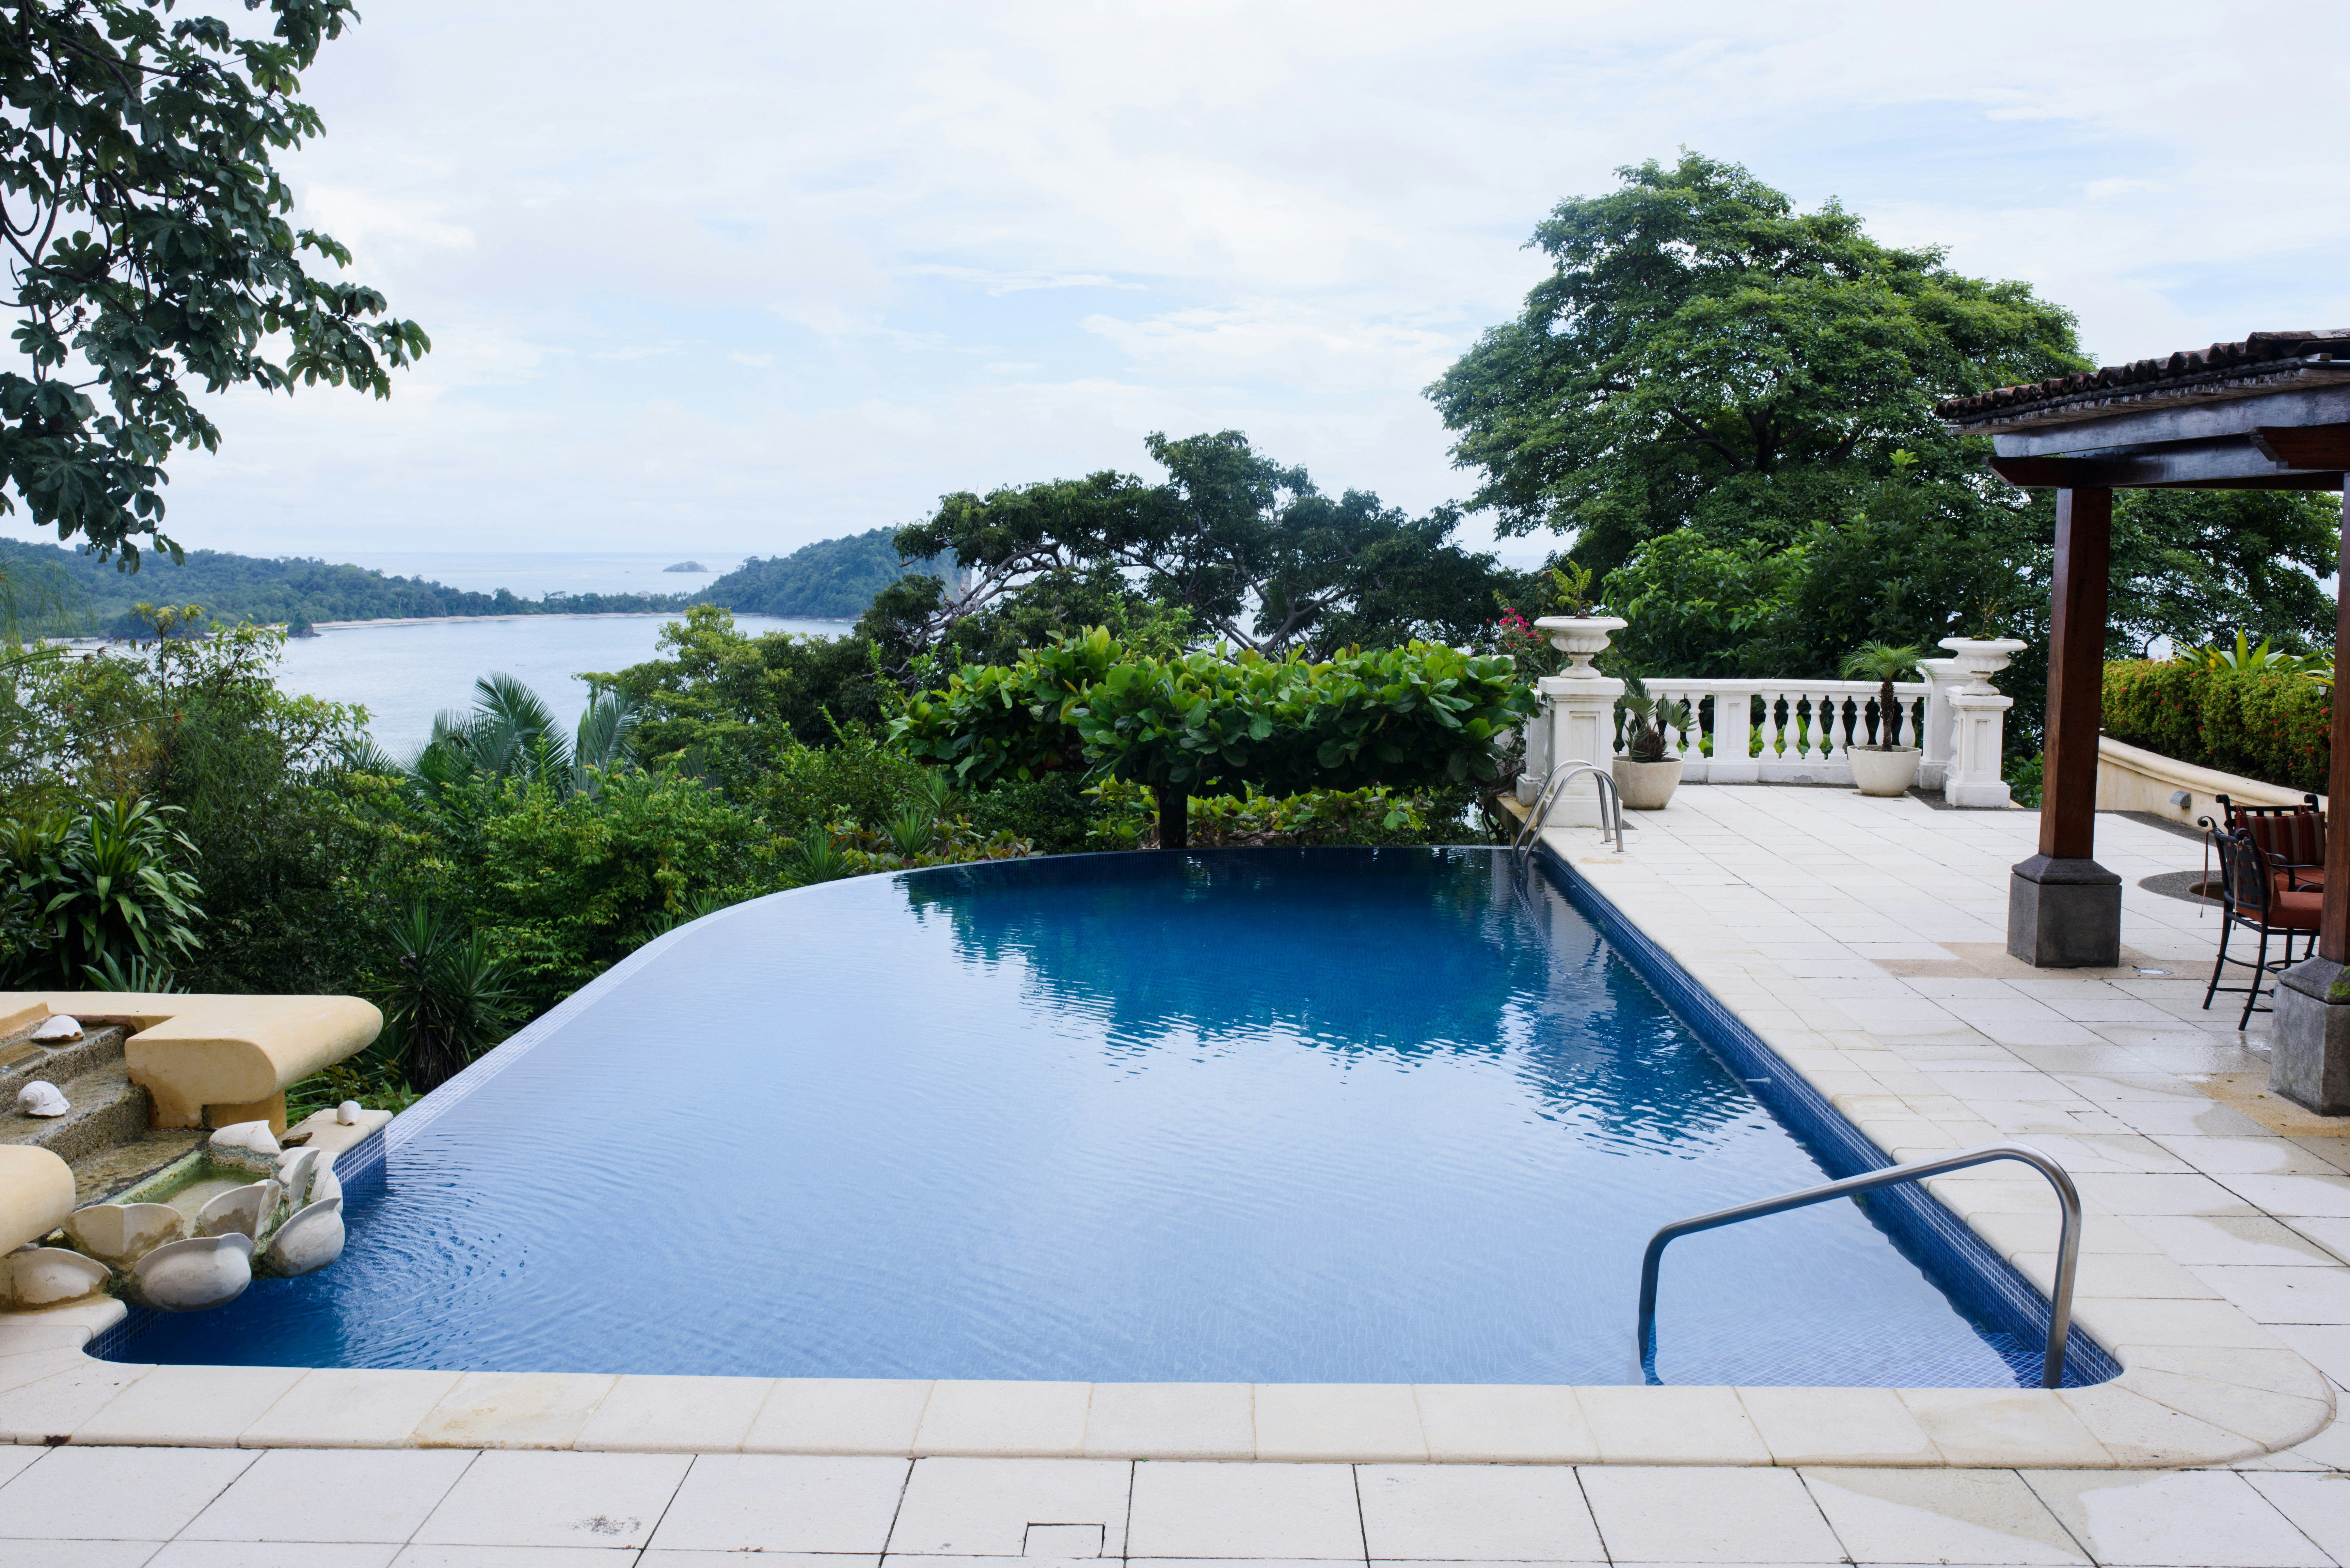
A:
{"points": [[1611, 803], [2068, 1246]]}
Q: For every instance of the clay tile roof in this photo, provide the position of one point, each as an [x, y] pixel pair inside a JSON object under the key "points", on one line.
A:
{"points": [[2192, 376]]}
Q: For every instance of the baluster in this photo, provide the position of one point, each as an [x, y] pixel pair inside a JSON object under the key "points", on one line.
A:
{"points": [[1771, 723], [1909, 710]]}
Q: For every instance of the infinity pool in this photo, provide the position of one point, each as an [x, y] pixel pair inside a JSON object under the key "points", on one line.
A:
{"points": [[1251, 1116]]}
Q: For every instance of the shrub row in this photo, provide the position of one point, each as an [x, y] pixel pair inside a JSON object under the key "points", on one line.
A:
{"points": [[2273, 728]]}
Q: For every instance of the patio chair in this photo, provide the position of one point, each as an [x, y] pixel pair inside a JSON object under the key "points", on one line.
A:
{"points": [[2251, 896], [2291, 837]]}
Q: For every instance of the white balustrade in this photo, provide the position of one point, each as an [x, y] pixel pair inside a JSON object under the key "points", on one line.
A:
{"points": [[1799, 731]]}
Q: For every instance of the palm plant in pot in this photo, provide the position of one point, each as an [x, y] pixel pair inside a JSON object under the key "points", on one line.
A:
{"points": [[1646, 775], [1883, 768]]}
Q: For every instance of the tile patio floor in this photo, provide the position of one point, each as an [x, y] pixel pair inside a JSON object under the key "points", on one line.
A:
{"points": [[1880, 918]]}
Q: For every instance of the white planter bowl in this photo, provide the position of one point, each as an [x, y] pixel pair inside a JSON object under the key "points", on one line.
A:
{"points": [[1645, 786], [1883, 773]]}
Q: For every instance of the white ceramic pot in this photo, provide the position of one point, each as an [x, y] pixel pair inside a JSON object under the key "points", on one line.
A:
{"points": [[1645, 786], [1581, 637], [1883, 773]]}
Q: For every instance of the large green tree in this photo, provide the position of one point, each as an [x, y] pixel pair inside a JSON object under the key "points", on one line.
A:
{"points": [[1705, 354], [1246, 548], [150, 252]]}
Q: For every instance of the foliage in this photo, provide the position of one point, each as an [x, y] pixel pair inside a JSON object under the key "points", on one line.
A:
{"points": [[445, 999], [1186, 725], [2264, 659], [832, 579], [2272, 727], [105, 885], [721, 703], [2187, 561], [1703, 354], [1251, 820], [1247, 548], [511, 734], [1885, 664], [90, 595], [1649, 719], [151, 250]]}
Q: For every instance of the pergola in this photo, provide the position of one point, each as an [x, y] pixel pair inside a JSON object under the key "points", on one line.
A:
{"points": [[2272, 413]]}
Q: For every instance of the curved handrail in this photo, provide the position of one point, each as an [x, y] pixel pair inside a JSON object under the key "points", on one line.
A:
{"points": [[1545, 798], [2068, 1246]]}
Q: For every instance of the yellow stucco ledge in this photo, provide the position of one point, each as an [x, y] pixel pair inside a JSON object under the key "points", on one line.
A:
{"points": [[37, 1193], [230, 1056]]}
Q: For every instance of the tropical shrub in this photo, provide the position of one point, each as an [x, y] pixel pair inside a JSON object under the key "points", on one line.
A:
{"points": [[2272, 727], [1251, 820], [1186, 725], [445, 998], [98, 891]]}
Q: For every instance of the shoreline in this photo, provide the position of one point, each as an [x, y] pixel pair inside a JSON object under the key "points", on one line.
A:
{"points": [[550, 614]]}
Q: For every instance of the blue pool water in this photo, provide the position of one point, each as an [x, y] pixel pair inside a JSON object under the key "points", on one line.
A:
{"points": [[1342, 1115]]}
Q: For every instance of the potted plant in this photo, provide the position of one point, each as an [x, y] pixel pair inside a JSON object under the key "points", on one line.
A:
{"points": [[1645, 776], [1580, 632], [1883, 769]]}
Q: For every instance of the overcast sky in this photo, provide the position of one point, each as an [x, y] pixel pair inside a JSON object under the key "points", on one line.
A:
{"points": [[731, 278]]}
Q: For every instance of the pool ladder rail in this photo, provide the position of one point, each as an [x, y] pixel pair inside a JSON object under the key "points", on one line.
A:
{"points": [[2068, 1246], [1611, 806]]}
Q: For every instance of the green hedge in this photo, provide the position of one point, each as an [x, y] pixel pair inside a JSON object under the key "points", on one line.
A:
{"points": [[2273, 728]]}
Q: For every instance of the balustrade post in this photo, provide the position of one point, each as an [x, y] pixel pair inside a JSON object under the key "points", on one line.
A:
{"points": [[1733, 760], [1582, 703], [1976, 733]]}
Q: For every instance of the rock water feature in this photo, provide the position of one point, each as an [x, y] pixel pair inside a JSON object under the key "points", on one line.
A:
{"points": [[193, 1235]]}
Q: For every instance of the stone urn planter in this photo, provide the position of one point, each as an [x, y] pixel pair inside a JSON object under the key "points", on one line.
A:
{"points": [[1582, 637], [1883, 773], [1980, 658], [1645, 786]]}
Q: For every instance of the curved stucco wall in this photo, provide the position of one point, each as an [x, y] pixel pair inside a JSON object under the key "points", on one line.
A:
{"points": [[2131, 778]]}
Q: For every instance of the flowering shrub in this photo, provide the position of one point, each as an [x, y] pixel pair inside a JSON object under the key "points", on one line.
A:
{"points": [[2270, 727]]}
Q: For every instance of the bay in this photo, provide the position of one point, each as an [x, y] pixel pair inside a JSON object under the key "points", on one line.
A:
{"points": [[403, 672]]}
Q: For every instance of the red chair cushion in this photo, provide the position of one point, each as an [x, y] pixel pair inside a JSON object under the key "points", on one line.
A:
{"points": [[2297, 910]]}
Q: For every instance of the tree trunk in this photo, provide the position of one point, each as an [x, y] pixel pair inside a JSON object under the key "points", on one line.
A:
{"points": [[1174, 816]]}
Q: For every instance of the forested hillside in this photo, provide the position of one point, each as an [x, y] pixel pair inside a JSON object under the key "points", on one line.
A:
{"points": [[291, 590], [833, 579]]}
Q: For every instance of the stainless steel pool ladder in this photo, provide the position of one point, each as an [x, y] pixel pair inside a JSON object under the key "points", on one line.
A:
{"points": [[2068, 1246], [1611, 805]]}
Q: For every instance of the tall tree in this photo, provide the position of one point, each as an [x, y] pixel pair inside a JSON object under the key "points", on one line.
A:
{"points": [[1247, 548], [149, 251], [1705, 354]]}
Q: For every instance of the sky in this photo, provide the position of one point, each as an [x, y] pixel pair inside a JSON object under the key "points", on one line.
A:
{"points": [[732, 277]]}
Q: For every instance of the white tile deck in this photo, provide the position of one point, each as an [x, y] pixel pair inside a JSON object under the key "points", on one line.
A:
{"points": [[1863, 939]]}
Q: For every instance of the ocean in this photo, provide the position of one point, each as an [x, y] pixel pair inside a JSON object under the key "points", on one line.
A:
{"points": [[404, 673]]}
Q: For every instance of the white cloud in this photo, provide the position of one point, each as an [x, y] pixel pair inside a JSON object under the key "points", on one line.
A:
{"points": [[828, 264]]}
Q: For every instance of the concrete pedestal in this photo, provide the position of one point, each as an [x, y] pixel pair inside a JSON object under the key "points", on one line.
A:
{"points": [[2309, 1049], [1583, 729], [2064, 914]]}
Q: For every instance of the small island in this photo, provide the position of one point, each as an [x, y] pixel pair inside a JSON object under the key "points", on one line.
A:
{"points": [[686, 566]]}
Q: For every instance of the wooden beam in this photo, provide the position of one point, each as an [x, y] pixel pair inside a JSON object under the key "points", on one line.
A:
{"points": [[2334, 912], [2076, 673], [2233, 461], [2305, 446], [2318, 405]]}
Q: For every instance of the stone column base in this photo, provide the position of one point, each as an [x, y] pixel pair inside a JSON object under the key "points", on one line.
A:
{"points": [[2064, 914], [2309, 1048]]}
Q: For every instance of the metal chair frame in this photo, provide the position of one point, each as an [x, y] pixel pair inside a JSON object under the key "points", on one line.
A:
{"points": [[2246, 900]]}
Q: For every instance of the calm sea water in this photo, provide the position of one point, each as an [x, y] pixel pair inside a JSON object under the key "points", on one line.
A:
{"points": [[532, 573], [1238, 1115], [405, 674]]}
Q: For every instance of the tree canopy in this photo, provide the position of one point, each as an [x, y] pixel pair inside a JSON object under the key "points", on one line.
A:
{"points": [[149, 251], [1243, 547], [832, 579], [1705, 354]]}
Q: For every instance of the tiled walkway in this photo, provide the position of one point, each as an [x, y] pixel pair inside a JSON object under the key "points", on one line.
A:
{"points": [[1828, 914]]}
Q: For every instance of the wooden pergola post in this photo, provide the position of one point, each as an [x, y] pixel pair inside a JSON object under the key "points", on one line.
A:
{"points": [[2333, 915], [2064, 909]]}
